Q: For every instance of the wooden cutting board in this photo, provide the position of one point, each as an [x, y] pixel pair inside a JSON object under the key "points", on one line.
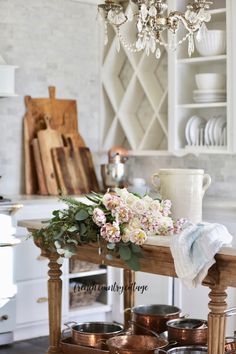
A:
{"points": [[63, 113], [64, 119], [70, 171], [49, 138], [87, 161], [39, 168]]}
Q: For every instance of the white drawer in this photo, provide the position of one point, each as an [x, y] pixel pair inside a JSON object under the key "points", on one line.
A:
{"points": [[32, 301], [7, 315], [28, 264]]}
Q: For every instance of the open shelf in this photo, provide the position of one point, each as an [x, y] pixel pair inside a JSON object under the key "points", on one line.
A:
{"points": [[202, 59], [96, 307], [87, 274], [203, 105]]}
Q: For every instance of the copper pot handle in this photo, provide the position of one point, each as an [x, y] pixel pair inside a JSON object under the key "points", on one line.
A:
{"points": [[230, 312], [184, 316], [145, 328], [67, 324], [171, 343], [128, 309]]}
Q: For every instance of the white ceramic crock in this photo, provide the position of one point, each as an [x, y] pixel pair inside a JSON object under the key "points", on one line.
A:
{"points": [[185, 188]]}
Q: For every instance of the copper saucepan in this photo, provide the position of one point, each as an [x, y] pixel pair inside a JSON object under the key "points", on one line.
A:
{"points": [[188, 331], [183, 350], [153, 317], [93, 334], [135, 344]]}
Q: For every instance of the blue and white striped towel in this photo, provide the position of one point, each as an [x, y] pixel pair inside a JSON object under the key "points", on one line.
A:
{"points": [[194, 249]]}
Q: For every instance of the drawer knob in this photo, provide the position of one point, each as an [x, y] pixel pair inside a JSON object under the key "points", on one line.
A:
{"points": [[41, 300], [4, 318], [41, 258]]}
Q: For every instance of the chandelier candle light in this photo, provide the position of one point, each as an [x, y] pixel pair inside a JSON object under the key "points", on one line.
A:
{"points": [[152, 20]]}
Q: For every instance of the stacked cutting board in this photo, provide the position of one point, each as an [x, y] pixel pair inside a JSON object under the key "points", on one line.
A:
{"points": [[57, 160]]}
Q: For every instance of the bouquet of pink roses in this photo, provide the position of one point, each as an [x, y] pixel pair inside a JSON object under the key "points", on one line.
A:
{"points": [[124, 220]]}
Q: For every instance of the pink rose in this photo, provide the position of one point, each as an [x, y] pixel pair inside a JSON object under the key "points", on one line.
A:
{"points": [[111, 201], [122, 214], [111, 232], [99, 217], [137, 236]]}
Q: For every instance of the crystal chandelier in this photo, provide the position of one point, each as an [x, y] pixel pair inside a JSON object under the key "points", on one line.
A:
{"points": [[151, 20]]}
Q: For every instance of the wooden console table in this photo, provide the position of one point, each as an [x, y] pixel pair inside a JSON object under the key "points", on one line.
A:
{"points": [[157, 260]]}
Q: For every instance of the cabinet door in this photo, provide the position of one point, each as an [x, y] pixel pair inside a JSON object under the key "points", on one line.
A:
{"points": [[28, 264], [32, 301]]}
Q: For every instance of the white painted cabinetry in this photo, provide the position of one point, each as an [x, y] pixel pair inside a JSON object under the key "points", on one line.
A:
{"points": [[148, 102], [30, 271]]}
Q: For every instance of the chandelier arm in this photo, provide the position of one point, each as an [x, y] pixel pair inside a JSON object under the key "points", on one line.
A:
{"points": [[180, 17]]}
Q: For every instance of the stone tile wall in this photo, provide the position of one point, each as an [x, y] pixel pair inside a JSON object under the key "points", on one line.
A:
{"points": [[222, 169], [54, 42]]}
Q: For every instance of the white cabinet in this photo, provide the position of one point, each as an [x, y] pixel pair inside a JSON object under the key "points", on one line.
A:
{"points": [[134, 97], [182, 106], [30, 272], [148, 102]]}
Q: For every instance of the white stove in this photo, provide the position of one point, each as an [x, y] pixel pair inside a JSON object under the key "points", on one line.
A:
{"points": [[7, 287]]}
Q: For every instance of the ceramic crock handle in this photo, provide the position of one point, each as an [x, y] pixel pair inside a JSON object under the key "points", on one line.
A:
{"points": [[206, 183], [156, 181]]}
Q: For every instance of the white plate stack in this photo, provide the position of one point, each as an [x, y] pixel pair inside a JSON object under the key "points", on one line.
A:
{"points": [[200, 132], [204, 96], [211, 88]]}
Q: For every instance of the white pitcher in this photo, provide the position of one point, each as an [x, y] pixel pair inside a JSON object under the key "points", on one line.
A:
{"points": [[185, 188]]}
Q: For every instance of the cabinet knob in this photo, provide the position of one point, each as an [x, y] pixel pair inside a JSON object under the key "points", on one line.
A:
{"points": [[41, 300], [41, 258], [4, 318]]}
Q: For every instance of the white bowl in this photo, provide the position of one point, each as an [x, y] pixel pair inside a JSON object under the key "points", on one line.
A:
{"points": [[210, 81], [212, 43]]}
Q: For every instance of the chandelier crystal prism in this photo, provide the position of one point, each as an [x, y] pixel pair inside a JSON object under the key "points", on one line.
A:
{"points": [[151, 20]]}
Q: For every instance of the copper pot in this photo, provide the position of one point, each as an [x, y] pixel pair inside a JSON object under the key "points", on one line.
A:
{"points": [[93, 334], [153, 317], [188, 331], [184, 350], [230, 344], [135, 344]]}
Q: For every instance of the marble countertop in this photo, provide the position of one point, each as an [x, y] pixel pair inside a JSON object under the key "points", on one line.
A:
{"points": [[208, 202]]}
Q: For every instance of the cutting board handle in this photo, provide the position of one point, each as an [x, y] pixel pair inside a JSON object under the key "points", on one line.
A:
{"points": [[52, 92], [69, 143], [47, 121]]}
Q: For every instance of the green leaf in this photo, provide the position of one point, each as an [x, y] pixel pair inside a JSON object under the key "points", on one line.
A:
{"points": [[82, 229], [109, 257], [72, 228], [136, 248], [125, 253], [72, 241], [81, 215], [111, 246], [133, 263]]}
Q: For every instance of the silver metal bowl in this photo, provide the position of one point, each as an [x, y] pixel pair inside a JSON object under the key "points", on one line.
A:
{"points": [[113, 175]]}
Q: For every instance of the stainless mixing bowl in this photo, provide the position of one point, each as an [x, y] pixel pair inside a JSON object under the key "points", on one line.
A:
{"points": [[113, 175]]}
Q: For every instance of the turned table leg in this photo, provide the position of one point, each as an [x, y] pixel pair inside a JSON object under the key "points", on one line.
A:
{"points": [[129, 281], [54, 304], [217, 320]]}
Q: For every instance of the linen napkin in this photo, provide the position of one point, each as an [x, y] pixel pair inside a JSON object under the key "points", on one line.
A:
{"points": [[194, 249]]}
